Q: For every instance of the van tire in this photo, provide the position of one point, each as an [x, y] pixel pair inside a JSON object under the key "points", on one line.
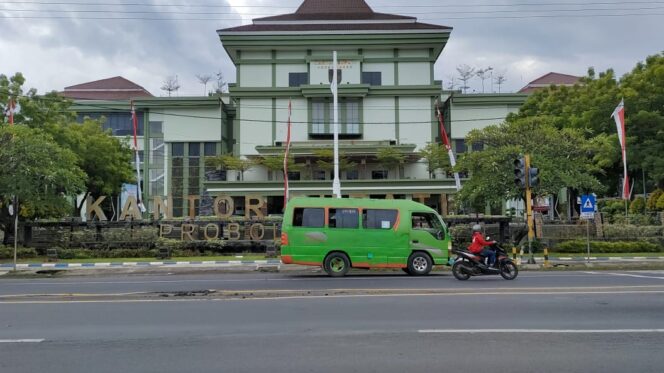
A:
{"points": [[419, 264], [336, 264]]}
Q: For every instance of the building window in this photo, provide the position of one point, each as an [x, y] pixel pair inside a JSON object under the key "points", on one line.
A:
{"points": [[460, 146], [294, 175], [309, 217], [210, 149], [318, 117], [352, 175], [379, 175], [372, 78], [194, 149], [120, 124], [319, 175], [379, 219], [353, 117], [177, 149], [156, 129], [344, 218], [478, 146], [298, 79]]}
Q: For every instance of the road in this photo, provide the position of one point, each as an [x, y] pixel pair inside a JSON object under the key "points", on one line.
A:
{"points": [[542, 322]]}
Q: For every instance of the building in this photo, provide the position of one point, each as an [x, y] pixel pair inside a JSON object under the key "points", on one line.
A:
{"points": [[550, 79]]}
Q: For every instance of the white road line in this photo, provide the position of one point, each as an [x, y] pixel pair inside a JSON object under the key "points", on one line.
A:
{"points": [[21, 340], [544, 331], [627, 275]]}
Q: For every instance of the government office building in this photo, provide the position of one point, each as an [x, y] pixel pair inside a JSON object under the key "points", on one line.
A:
{"points": [[387, 97]]}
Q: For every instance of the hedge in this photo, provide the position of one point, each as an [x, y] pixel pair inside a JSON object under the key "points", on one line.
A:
{"points": [[21, 253], [602, 247]]}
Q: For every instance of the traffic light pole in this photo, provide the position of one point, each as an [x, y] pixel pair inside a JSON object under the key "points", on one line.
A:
{"points": [[529, 213]]}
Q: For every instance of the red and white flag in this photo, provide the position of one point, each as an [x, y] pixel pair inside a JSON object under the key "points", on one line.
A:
{"points": [[446, 141], [139, 194], [619, 116], [288, 143]]}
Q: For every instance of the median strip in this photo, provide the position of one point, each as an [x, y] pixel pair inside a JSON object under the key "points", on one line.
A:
{"points": [[537, 331]]}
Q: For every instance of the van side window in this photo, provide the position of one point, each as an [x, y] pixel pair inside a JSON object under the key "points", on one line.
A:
{"points": [[309, 217], [379, 219], [344, 218]]}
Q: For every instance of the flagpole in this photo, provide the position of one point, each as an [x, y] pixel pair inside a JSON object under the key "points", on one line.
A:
{"points": [[139, 193], [446, 141], [288, 142], [336, 184]]}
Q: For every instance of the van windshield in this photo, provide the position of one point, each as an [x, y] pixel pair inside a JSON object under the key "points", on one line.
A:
{"points": [[428, 222]]}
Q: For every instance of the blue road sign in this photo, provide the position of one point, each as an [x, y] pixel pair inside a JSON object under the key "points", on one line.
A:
{"points": [[588, 204]]}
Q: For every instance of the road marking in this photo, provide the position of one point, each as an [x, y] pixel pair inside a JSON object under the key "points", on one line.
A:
{"points": [[544, 331], [626, 275], [21, 340]]}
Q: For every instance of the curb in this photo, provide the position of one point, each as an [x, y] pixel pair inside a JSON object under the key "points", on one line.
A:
{"points": [[218, 264]]}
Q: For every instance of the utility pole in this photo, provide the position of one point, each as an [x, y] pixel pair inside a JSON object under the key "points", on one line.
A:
{"points": [[527, 177], [336, 184]]}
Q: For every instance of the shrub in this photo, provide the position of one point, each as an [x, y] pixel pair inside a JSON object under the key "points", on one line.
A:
{"points": [[21, 252], [660, 203], [579, 246], [637, 206], [652, 200]]}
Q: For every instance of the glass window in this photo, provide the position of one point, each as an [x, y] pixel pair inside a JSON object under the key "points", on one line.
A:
{"points": [[294, 175], [379, 219], [298, 79], [156, 129], [352, 117], [372, 78], [210, 149], [177, 149], [460, 145], [478, 146], [195, 149], [344, 218], [352, 175], [318, 117], [319, 175], [379, 175], [427, 222], [309, 217]]}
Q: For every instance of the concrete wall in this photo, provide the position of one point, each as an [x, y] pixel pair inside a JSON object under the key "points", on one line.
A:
{"points": [[385, 68], [255, 124], [255, 75], [350, 71], [190, 124], [465, 118], [283, 71], [299, 119], [379, 114], [415, 73]]}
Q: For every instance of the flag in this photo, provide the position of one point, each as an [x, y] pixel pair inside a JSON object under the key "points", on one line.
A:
{"points": [[446, 141], [9, 112], [139, 196], [288, 143], [619, 116]]}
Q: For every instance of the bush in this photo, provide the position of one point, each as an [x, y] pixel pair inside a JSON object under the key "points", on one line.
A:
{"points": [[660, 203], [652, 200], [21, 252], [637, 206], [603, 247], [624, 232]]}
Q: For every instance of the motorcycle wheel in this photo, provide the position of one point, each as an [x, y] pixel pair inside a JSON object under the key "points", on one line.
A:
{"points": [[458, 273], [509, 271]]}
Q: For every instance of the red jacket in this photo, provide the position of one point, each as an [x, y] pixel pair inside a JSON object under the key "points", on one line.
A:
{"points": [[478, 243]]}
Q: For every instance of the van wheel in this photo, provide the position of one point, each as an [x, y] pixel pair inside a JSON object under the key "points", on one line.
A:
{"points": [[419, 264], [336, 264]]}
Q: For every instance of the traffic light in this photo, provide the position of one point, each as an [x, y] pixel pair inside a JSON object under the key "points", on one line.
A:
{"points": [[520, 173], [533, 177]]}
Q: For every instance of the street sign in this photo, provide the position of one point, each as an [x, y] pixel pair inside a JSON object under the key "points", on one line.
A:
{"points": [[588, 204]]}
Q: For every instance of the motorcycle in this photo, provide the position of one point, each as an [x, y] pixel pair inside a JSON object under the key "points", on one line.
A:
{"points": [[468, 264]]}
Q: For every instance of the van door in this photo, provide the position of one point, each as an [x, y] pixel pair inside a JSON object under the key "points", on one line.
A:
{"points": [[308, 237], [381, 236], [429, 234]]}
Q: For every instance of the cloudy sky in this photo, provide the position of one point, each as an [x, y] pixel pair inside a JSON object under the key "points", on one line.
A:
{"points": [[57, 43]]}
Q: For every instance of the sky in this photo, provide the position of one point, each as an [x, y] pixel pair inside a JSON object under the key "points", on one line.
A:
{"points": [[58, 43]]}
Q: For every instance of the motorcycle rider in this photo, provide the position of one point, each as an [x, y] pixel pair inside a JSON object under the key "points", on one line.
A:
{"points": [[478, 245]]}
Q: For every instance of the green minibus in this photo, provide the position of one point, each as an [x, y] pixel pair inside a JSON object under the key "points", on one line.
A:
{"points": [[339, 234]]}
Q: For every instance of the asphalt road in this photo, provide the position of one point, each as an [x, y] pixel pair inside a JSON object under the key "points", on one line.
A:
{"points": [[542, 322]]}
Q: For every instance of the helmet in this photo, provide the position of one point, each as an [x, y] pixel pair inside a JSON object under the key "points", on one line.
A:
{"points": [[477, 228]]}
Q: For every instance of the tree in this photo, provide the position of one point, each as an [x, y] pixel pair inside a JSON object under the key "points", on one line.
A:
{"points": [[106, 160], [221, 85], [204, 79], [276, 163], [560, 154], [233, 163], [171, 84], [41, 174], [325, 160], [465, 74], [436, 157], [500, 79], [391, 158], [483, 74]]}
